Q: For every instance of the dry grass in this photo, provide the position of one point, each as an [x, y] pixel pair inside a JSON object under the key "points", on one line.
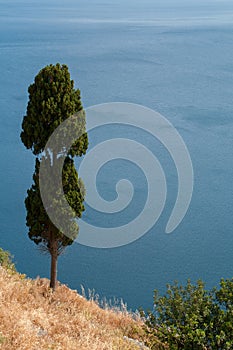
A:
{"points": [[32, 317]]}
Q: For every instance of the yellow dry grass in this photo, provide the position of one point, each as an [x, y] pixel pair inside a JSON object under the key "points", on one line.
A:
{"points": [[34, 318]]}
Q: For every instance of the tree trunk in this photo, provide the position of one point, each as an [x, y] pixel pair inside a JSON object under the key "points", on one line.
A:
{"points": [[53, 269]]}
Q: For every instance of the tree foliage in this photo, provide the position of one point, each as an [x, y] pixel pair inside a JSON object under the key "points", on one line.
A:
{"points": [[41, 229], [52, 99], [191, 317]]}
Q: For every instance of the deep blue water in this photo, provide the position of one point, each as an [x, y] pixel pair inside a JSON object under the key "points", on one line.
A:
{"points": [[171, 56]]}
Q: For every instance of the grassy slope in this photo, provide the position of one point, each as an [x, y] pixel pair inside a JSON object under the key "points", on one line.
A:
{"points": [[31, 317]]}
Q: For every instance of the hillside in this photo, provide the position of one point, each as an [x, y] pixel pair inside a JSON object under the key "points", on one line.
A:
{"points": [[32, 317]]}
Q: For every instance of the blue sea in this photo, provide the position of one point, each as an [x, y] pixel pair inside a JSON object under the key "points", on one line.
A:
{"points": [[175, 57]]}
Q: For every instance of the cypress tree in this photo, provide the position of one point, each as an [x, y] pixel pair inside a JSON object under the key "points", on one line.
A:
{"points": [[53, 99]]}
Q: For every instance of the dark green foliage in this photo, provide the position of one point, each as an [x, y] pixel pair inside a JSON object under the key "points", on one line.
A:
{"points": [[41, 229], [52, 100], [191, 317]]}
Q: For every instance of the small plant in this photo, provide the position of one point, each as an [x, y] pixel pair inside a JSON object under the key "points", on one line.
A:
{"points": [[2, 338], [6, 260]]}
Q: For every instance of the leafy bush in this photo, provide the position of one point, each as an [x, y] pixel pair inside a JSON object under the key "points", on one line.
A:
{"points": [[6, 259], [191, 317]]}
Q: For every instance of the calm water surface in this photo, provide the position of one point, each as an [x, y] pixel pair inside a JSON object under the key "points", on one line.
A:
{"points": [[171, 57]]}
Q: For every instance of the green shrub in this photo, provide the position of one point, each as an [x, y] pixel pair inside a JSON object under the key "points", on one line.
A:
{"points": [[191, 317], [6, 259]]}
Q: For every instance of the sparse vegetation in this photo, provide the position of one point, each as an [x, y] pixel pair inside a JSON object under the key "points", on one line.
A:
{"points": [[35, 318]]}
